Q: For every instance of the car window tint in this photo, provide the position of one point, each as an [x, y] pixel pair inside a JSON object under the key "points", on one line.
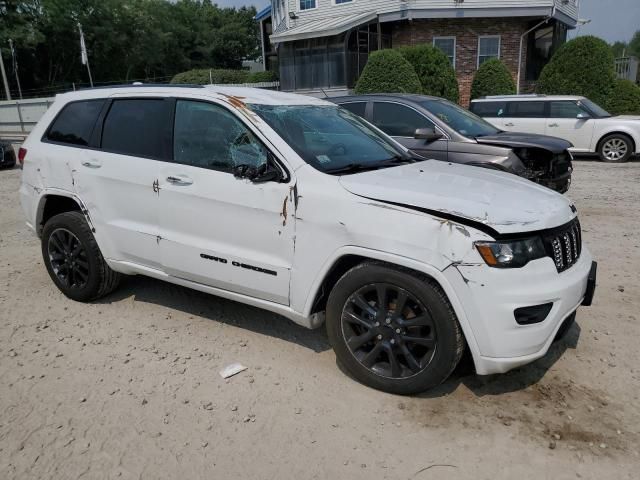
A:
{"points": [[209, 136], [527, 109], [138, 127], [565, 110], [75, 122], [358, 108], [489, 109], [398, 120]]}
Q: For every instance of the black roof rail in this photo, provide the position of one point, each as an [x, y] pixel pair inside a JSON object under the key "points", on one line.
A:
{"points": [[130, 85]]}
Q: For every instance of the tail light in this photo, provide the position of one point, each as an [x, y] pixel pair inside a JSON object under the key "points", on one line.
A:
{"points": [[22, 153]]}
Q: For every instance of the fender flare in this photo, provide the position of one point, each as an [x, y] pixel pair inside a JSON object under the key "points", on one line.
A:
{"points": [[58, 192]]}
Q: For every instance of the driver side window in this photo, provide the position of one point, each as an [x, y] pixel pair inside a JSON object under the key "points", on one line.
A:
{"points": [[565, 110], [397, 120], [209, 136]]}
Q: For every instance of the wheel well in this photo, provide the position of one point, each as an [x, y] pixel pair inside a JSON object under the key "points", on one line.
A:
{"points": [[342, 266], [55, 205], [626, 135]]}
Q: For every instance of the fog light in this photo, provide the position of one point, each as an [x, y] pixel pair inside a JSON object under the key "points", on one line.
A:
{"points": [[531, 315]]}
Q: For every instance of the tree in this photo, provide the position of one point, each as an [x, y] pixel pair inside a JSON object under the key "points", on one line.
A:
{"points": [[584, 66], [634, 45], [387, 71], [619, 49], [624, 98], [434, 70], [492, 78]]}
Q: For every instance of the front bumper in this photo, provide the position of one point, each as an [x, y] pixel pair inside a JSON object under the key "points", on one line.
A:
{"points": [[489, 296]]}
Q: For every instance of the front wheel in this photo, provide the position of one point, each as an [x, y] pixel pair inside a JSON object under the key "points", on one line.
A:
{"points": [[615, 148], [73, 258], [393, 330]]}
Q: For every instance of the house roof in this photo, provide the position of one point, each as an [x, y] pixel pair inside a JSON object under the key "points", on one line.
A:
{"points": [[324, 27], [262, 14]]}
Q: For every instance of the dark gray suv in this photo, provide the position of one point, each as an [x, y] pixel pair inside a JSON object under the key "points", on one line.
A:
{"points": [[435, 128]]}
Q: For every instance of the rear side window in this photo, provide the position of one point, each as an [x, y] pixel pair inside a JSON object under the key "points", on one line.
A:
{"points": [[139, 127], [398, 120], [75, 122], [526, 109], [358, 108], [489, 109]]}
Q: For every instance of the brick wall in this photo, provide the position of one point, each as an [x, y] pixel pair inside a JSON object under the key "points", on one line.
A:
{"points": [[467, 31]]}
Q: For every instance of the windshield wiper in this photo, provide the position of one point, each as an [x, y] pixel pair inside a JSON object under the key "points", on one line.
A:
{"points": [[359, 167]]}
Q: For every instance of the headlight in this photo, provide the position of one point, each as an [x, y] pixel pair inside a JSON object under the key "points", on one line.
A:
{"points": [[511, 254]]}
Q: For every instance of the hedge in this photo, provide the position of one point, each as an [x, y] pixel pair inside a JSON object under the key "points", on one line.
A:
{"points": [[624, 98], [201, 76], [264, 76], [492, 78], [434, 70], [387, 71], [584, 66]]}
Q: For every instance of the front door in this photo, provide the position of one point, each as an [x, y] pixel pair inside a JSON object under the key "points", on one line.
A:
{"points": [[570, 121], [219, 230], [401, 122]]}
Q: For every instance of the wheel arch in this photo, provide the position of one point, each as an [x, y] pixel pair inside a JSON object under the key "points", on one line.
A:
{"points": [[56, 202], [634, 142]]}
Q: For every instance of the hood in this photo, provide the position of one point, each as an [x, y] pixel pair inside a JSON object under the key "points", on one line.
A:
{"points": [[526, 140], [495, 202]]}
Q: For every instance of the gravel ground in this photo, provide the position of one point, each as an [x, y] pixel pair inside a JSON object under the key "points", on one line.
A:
{"points": [[129, 387]]}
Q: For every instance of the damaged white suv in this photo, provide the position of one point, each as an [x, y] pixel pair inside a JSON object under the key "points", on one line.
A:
{"points": [[297, 206]]}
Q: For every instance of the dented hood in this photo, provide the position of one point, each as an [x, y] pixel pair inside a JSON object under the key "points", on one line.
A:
{"points": [[504, 203], [526, 140]]}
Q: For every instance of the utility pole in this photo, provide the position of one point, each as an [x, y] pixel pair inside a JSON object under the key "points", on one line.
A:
{"points": [[4, 77], [84, 57], [15, 67]]}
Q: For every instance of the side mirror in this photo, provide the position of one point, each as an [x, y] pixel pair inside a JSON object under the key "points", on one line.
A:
{"points": [[262, 174], [428, 134], [583, 116]]}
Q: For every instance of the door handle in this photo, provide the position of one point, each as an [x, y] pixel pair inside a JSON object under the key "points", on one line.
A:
{"points": [[509, 124], [91, 164], [182, 180], [553, 125]]}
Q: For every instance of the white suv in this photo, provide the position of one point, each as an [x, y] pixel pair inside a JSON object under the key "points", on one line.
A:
{"points": [[297, 206], [590, 128]]}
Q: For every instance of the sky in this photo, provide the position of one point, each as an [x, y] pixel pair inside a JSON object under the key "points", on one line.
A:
{"points": [[610, 19]]}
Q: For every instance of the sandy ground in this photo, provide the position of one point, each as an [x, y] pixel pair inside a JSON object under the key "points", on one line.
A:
{"points": [[129, 387]]}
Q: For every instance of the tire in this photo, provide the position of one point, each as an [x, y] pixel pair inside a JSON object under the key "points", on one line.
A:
{"points": [[615, 148], [427, 318], [73, 258]]}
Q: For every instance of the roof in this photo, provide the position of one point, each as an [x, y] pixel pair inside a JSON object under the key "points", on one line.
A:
{"points": [[408, 97], [324, 27], [524, 98], [262, 14], [243, 94]]}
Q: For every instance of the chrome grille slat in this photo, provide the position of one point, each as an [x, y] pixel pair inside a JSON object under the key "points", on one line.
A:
{"points": [[565, 245]]}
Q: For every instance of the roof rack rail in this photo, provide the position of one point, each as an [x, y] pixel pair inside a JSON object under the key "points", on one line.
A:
{"points": [[526, 95], [140, 84]]}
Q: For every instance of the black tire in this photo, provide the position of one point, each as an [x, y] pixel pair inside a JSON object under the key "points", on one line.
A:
{"points": [[91, 277], [615, 148], [424, 299]]}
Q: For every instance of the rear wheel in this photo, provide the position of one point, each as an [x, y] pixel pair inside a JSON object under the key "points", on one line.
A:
{"points": [[393, 330], [615, 148], [73, 259]]}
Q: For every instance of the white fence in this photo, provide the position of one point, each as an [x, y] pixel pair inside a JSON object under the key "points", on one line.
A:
{"points": [[18, 117]]}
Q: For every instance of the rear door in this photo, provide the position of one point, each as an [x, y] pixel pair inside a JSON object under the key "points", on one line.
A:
{"points": [[568, 120], [401, 122], [117, 180], [217, 229], [527, 116]]}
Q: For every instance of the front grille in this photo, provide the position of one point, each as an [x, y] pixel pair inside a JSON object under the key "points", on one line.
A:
{"points": [[564, 245]]}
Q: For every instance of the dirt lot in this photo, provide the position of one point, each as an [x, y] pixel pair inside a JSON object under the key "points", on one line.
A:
{"points": [[129, 387]]}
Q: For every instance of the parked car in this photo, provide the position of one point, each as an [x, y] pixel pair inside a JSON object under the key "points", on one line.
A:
{"points": [[589, 127], [436, 128], [7, 155], [291, 204]]}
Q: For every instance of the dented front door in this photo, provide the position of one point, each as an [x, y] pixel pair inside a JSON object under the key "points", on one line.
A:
{"points": [[219, 230]]}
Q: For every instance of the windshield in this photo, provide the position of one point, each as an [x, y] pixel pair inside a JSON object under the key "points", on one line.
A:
{"points": [[594, 108], [330, 138], [462, 121]]}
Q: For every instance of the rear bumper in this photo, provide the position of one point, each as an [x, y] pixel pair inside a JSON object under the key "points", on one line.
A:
{"points": [[489, 297]]}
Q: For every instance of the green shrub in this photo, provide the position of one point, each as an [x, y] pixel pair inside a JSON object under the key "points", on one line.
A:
{"points": [[265, 76], [220, 76], [624, 98], [434, 70], [387, 71], [492, 78], [583, 66]]}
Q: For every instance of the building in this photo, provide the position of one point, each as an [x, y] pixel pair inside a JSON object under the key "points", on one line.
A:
{"points": [[323, 45]]}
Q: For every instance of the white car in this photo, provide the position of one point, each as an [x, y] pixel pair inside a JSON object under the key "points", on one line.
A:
{"points": [[590, 128], [295, 205]]}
